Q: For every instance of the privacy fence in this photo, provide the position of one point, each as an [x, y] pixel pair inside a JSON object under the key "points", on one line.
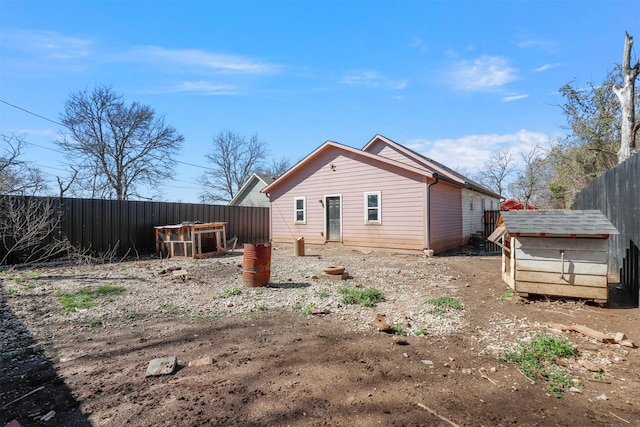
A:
{"points": [[99, 225], [617, 195]]}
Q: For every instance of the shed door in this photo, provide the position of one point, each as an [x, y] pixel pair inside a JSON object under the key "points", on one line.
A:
{"points": [[333, 219]]}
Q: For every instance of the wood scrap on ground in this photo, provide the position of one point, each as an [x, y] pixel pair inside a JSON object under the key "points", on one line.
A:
{"points": [[617, 338]]}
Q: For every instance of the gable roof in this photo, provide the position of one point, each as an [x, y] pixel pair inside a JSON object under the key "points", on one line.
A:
{"points": [[350, 152], [266, 179], [443, 171], [587, 222]]}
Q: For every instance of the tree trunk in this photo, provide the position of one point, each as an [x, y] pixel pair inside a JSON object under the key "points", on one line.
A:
{"points": [[626, 96]]}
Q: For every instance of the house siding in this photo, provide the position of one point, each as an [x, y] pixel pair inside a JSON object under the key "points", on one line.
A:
{"points": [[383, 149], [446, 217], [472, 221], [252, 195], [402, 203]]}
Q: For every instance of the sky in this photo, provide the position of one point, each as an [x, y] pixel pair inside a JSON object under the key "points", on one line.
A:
{"points": [[453, 80]]}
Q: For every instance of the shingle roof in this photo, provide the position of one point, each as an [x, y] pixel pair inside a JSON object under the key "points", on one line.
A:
{"points": [[590, 222]]}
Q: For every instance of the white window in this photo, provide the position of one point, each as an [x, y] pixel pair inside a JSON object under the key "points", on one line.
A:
{"points": [[300, 210], [372, 207]]}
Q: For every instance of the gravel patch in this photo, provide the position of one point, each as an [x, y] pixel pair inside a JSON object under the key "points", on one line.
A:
{"points": [[211, 288]]}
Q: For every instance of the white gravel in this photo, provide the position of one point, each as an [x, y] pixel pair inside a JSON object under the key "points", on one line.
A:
{"points": [[153, 290]]}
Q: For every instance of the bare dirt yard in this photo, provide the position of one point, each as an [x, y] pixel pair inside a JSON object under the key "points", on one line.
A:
{"points": [[76, 342]]}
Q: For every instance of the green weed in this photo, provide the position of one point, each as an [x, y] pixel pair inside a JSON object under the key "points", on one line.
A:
{"points": [[324, 293], [232, 292], [307, 310], [507, 294], [535, 358], [173, 309], [366, 298], [398, 330], [95, 322], [443, 304], [11, 291], [260, 307], [421, 332], [84, 298], [110, 289]]}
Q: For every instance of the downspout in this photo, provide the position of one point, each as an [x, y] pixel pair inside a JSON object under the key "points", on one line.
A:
{"points": [[429, 251]]}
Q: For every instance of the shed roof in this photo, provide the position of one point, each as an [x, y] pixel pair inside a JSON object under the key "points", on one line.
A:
{"points": [[591, 222]]}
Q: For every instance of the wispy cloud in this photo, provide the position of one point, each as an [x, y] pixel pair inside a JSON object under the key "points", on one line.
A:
{"points": [[204, 88], [481, 74], [200, 59], [470, 152], [47, 44], [372, 79], [536, 43], [420, 45], [514, 97], [546, 67]]}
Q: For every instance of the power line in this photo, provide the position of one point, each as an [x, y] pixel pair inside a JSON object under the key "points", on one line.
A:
{"points": [[31, 112]]}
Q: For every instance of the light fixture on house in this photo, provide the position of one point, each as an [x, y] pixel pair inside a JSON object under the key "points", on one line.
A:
{"points": [[333, 167]]}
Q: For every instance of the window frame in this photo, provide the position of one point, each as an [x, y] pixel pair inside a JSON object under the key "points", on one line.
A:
{"points": [[303, 210], [378, 208]]}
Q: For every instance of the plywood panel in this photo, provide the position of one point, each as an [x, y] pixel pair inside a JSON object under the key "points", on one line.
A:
{"points": [[562, 290], [555, 278], [554, 266], [543, 255], [562, 243]]}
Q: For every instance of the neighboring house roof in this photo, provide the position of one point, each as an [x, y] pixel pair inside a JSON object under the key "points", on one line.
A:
{"points": [[266, 179], [348, 151], [515, 205], [591, 222], [431, 169]]}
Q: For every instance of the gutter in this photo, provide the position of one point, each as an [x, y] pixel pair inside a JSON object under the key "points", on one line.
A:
{"points": [[429, 251]]}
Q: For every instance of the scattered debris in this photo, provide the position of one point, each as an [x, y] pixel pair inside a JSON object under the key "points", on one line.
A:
{"points": [[23, 396], [617, 338], [162, 366], [400, 340], [181, 274], [201, 362], [48, 416], [431, 411], [319, 310], [380, 323]]}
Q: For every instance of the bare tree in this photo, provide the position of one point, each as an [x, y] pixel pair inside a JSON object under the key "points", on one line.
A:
{"points": [[532, 182], [233, 159], [117, 147], [277, 167], [626, 96], [16, 175], [496, 170]]}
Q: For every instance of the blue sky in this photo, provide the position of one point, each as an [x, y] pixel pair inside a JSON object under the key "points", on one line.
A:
{"points": [[453, 80]]}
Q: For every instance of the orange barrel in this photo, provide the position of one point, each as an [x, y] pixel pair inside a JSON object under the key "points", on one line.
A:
{"points": [[256, 264]]}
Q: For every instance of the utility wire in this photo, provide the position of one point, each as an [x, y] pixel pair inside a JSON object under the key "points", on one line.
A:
{"points": [[31, 112]]}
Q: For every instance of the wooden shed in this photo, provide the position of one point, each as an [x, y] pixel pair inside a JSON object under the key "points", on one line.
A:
{"points": [[558, 253]]}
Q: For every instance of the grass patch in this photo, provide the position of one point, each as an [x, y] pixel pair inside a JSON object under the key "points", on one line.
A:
{"points": [[12, 291], [29, 275], [366, 298], [307, 310], [95, 322], [110, 290], [536, 359], [173, 309], [421, 332], [84, 298], [260, 307], [398, 330], [324, 293], [506, 294], [232, 292], [444, 304]]}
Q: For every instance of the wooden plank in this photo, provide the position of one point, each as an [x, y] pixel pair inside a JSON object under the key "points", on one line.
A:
{"points": [[569, 279], [578, 244], [554, 266], [599, 257], [584, 292]]}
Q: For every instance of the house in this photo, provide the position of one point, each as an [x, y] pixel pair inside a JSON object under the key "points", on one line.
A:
{"points": [[384, 196], [250, 194], [558, 253]]}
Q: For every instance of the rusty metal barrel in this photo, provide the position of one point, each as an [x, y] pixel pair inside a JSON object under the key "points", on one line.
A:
{"points": [[256, 264]]}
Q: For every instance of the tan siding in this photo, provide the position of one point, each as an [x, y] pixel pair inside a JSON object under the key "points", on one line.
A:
{"points": [[402, 203], [252, 195], [446, 217]]}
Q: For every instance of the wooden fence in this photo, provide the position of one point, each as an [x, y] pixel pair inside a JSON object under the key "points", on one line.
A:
{"points": [[99, 225], [489, 224], [617, 195]]}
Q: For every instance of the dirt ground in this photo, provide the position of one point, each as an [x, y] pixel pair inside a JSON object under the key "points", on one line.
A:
{"points": [[278, 367]]}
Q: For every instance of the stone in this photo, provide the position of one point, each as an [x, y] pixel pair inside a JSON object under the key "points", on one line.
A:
{"points": [[201, 362], [162, 366], [380, 323], [619, 337], [575, 390], [427, 362], [318, 310], [591, 367], [180, 273]]}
